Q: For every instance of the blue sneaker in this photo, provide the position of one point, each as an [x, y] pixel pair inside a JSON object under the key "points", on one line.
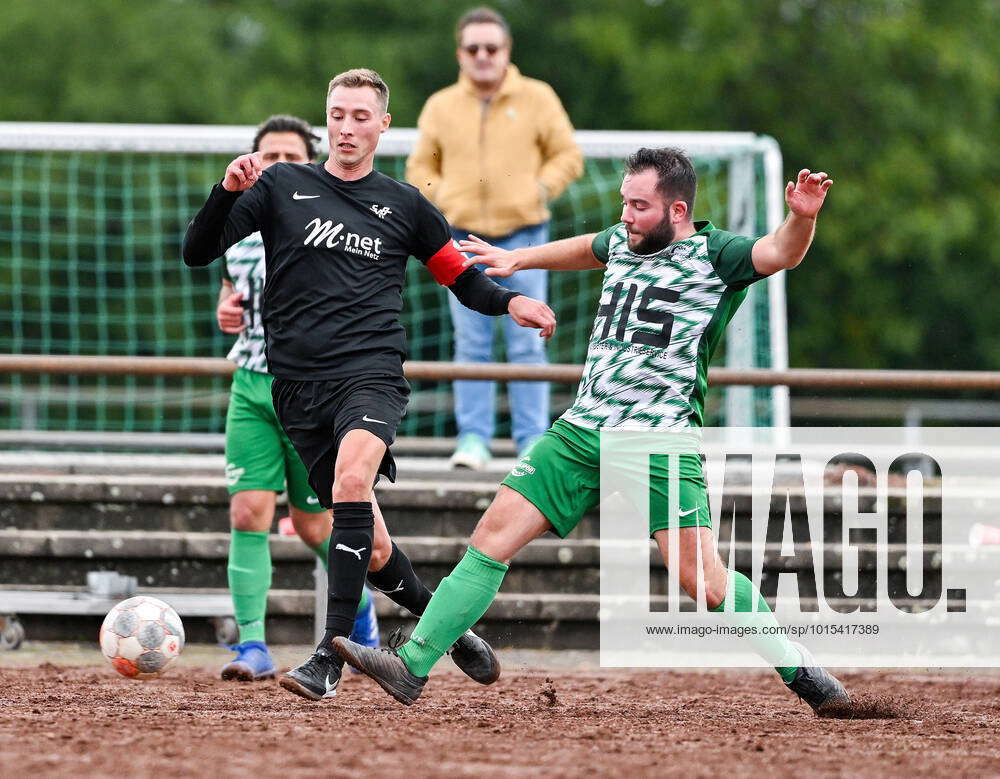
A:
{"points": [[365, 630], [252, 663]]}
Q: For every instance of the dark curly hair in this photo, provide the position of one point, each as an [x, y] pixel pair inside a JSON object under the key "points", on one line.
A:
{"points": [[283, 123], [676, 179]]}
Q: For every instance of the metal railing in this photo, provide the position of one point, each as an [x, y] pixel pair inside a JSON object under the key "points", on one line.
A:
{"points": [[812, 378]]}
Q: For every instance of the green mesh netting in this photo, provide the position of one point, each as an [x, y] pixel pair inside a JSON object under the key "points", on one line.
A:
{"points": [[90, 264]]}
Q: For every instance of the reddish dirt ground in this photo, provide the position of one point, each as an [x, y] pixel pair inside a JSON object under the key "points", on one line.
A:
{"points": [[64, 720]]}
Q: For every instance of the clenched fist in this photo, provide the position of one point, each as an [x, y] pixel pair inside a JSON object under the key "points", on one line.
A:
{"points": [[230, 314], [243, 172], [528, 312]]}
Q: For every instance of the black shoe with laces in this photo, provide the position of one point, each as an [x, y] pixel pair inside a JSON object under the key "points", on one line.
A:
{"points": [[476, 658], [384, 665], [814, 684], [317, 677]]}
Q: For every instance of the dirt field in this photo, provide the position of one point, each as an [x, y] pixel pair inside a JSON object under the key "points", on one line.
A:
{"points": [[85, 720]]}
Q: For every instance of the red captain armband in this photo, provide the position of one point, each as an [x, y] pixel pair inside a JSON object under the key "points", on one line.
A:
{"points": [[446, 264]]}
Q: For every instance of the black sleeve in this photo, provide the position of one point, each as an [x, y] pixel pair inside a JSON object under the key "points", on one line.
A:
{"points": [[473, 288], [477, 291], [430, 229], [226, 218]]}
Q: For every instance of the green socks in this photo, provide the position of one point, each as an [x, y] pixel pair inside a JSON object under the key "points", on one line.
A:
{"points": [[750, 609], [249, 580], [323, 553], [458, 603]]}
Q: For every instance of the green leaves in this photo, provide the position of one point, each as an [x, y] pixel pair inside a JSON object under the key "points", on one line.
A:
{"points": [[896, 99]]}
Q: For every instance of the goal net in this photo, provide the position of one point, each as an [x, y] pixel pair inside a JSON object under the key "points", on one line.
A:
{"points": [[91, 221]]}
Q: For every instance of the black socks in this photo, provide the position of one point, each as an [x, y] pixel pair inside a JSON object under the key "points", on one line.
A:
{"points": [[347, 563], [397, 581]]}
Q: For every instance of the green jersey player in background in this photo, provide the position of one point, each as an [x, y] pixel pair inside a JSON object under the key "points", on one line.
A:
{"points": [[671, 285], [260, 460]]}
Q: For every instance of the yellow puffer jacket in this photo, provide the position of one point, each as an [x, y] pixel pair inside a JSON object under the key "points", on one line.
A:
{"points": [[492, 166]]}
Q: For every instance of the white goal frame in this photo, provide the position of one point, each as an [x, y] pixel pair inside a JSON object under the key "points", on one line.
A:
{"points": [[742, 151]]}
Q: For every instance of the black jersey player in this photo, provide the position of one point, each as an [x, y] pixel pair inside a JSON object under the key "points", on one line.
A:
{"points": [[337, 236]]}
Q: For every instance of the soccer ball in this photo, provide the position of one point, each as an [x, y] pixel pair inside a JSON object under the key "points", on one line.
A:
{"points": [[141, 637]]}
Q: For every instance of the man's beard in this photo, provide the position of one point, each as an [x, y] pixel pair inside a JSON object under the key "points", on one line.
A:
{"points": [[656, 239]]}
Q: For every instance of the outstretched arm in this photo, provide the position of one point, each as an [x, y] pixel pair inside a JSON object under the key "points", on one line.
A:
{"points": [[786, 246], [568, 254], [474, 290], [484, 295], [210, 232]]}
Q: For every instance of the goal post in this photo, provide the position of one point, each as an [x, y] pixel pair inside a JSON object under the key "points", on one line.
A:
{"points": [[91, 220]]}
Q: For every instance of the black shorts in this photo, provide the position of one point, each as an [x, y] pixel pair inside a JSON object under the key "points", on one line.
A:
{"points": [[316, 415]]}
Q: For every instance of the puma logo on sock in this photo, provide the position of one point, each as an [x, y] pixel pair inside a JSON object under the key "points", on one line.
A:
{"points": [[355, 552]]}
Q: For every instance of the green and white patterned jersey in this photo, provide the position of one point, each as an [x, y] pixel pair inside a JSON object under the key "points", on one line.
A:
{"points": [[660, 319], [244, 267]]}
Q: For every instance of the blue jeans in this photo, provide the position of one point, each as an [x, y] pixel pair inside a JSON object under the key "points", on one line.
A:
{"points": [[529, 400]]}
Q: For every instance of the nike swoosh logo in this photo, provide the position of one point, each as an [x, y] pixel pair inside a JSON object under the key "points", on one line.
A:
{"points": [[399, 587], [297, 196], [689, 511], [367, 418], [312, 501], [329, 686]]}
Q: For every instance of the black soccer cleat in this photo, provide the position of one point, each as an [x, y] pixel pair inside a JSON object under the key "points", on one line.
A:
{"points": [[814, 684], [476, 658], [316, 678], [384, 665]]}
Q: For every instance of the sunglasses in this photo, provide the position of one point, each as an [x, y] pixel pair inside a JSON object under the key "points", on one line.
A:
{"points": [[473, 48]]}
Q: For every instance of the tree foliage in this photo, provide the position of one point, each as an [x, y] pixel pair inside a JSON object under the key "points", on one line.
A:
{"points": [[897, 99]]}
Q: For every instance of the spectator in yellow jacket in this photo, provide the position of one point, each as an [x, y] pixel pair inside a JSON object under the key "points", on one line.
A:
{"points": [[493, 150]]}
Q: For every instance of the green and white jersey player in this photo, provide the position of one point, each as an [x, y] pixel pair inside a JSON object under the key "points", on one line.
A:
{"points": [[259, 456], [243, 275], [671, 285], [260, 460], [661, 315]]}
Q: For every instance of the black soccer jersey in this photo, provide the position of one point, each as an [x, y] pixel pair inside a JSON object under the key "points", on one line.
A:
{"points": [[336, 253]]}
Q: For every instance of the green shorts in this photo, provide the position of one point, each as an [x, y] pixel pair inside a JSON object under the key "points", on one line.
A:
{"points": [[561, 477], [259, 455]]}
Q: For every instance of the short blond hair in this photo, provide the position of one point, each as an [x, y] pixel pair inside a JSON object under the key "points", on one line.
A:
{"points": [[362, 77]]}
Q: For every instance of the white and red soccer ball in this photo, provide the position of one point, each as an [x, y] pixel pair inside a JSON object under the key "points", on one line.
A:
{"points": [[141, 637]]}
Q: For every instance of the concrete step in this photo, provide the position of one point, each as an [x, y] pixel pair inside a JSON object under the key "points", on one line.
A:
{"points": [[301, 603], [91, 544], [171, 464], [445, 507], [195, 503], [113, 441], [172, 559], [185, 559], [207, 489]]}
